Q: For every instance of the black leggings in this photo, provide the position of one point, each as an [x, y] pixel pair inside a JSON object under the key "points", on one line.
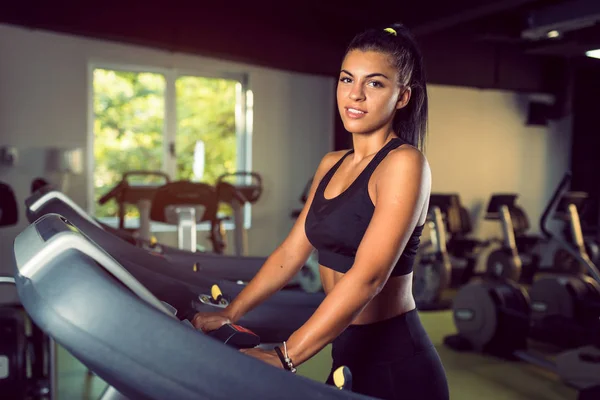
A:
{"points": [[391, 359]]}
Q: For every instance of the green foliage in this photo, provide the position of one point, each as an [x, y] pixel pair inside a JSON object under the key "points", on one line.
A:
{"points": [[206, 111], [129, 109]]}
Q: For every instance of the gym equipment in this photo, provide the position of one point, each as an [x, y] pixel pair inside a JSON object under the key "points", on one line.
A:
{"points": [[504, 262], [47, 200], [236, 336], [433, 270], [495, 317], [26, 359], [37, 184], [516, 259], [565, 305], [187, 288], [448, 260], [9, 211], [563, 260], [27, 356], [247, 189], [128, 191], [59, 273], [464, 250], [187, 204]]}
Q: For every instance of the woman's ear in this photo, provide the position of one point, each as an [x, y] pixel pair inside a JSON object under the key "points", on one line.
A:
{"points": [[404, 98]]}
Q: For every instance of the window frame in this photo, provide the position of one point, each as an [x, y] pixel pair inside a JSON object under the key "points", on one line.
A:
{"points": [[244, 111]]}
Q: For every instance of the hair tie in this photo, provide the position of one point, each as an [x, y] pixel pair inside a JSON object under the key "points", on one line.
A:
{"points": [[391, 30]]}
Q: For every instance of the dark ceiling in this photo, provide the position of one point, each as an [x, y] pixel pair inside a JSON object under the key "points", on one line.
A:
{"points": [[474, 43]]}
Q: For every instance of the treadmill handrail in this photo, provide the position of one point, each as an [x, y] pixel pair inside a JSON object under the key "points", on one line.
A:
{"points": [[61, 197], [562, 187], [7, 279], [238, 195], [241, 173], [159, 174]]}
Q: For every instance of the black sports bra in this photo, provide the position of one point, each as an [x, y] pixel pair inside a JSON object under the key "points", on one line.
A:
{"points": [[336, 226]]}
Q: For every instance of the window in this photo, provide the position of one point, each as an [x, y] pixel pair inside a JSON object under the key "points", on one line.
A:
{"points": [[156, 120]]}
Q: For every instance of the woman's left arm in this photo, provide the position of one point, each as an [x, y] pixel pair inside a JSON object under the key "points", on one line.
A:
{"points": [[402, 190]]}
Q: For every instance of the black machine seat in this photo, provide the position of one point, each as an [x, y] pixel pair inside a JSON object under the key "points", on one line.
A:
{"points": [[240, 191], [89, 304], [498, 200], [9, 212], [519, 219], [578, 199]]}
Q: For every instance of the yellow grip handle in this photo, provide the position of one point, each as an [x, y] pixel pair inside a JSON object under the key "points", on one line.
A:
{"points": [[215, 292]]}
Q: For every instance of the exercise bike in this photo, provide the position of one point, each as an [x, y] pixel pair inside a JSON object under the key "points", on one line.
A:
{"points": [[449, 259], [496, 316], [516, 259]]}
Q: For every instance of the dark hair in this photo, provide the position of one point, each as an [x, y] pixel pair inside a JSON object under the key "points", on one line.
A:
{"points": [[410, 122]]}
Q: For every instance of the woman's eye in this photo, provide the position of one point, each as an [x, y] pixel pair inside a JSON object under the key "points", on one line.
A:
{"points": [[345, 79], [375, 84]]}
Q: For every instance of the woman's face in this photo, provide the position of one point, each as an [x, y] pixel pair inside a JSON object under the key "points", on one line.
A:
{"points": [[368, 91]]}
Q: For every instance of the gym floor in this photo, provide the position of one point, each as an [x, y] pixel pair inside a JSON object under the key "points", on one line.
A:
{"points": [[471, 376]]}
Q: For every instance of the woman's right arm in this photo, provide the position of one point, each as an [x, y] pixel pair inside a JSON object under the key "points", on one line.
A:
{"points": [[287, 259]]}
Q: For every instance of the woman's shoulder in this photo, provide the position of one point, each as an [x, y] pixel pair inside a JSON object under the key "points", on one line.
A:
{"points": [[405, 159], [406, 155]]}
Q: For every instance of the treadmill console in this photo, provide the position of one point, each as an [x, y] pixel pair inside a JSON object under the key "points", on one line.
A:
{"points": [[52, 236]]}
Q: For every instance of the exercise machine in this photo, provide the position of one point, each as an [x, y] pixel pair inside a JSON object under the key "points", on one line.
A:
{"points": [[245, 190], [433, 270], [563, 260], [26, 357], [186, 287], [187, 204], [132, 190], [131, 339], [449, 259], [565, 303], [495, 316], [516, 259], [47, 200]]}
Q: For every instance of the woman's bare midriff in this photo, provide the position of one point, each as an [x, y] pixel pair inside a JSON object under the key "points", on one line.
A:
{"points": [[394, 299]]}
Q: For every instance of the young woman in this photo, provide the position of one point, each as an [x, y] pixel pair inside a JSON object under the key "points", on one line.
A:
{"points": [[365, 213]]}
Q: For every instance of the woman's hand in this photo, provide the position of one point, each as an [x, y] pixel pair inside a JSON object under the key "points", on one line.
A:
{"points": [[268, 356], [210, 321]]}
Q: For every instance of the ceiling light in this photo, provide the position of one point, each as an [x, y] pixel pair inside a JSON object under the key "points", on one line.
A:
{"points": [[553, 34], [593, 53]]}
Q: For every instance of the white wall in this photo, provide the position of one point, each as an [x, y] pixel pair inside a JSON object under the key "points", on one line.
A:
{"points": [[478, 143], [43, 102]]}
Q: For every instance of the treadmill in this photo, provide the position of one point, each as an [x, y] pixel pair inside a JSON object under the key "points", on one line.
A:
{"points": [[274, 320], [142, 347], [215, 266]]}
